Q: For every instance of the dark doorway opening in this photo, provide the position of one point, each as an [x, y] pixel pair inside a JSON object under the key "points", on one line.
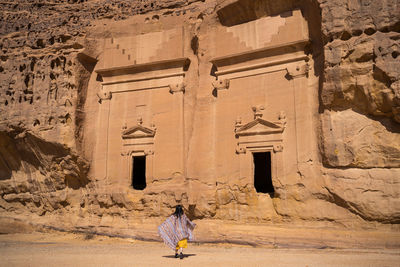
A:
{"points": [[139, 172], [262, 172]]}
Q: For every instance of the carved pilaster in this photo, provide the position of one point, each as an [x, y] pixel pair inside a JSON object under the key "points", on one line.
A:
{"points": [[298, 70], [221, 84], [176, 88]]}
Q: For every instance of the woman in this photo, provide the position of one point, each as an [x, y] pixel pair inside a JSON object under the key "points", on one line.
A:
{"points": [[176, 230]]}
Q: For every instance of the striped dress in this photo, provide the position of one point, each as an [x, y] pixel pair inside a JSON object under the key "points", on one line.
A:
{"points": [[174, 229]]}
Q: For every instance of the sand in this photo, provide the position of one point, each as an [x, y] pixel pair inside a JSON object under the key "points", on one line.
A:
{"points": [[65, 249]]}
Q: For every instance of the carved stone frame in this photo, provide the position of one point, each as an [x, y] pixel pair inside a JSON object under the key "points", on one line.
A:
{"points": [[149, 163], [139, 144], [252, 139], [246, 160]]}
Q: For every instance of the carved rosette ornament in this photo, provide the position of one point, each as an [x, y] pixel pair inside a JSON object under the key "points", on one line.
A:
{"points": [[176, 88], [278, 148], [221, 84]]}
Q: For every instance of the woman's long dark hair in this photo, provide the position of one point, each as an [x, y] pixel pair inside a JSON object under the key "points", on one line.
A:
{"points": [[178, 211]]}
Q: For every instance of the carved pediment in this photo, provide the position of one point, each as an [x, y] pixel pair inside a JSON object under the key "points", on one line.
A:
{"points": [[138, 131], [259, 126]]}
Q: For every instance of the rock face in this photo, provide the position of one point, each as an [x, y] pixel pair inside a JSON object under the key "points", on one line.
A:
{"points": [[45, 174], [361, 73], [254, 111], [361, 142]]}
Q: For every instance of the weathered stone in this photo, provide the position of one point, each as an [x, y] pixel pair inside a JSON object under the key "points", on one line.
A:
{"points": [[362, 73], [374, 195], [354, 140]]}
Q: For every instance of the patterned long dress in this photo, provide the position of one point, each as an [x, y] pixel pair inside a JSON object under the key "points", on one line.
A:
{"points": [[174, 229]]}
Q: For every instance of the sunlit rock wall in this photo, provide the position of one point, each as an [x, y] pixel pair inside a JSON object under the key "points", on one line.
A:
{"points": [[345, 171]]}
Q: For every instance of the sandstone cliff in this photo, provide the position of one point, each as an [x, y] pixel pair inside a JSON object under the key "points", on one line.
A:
{"points": [[49, 113]]}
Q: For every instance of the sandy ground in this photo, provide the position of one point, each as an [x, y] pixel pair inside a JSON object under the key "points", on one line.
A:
{"points": [[55, 249]]}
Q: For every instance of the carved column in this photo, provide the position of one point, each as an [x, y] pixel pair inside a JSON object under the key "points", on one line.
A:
{"points": [[244, 159], [126, 168], [101, 152], [149, 153], [178, 90], [277, 165], [222, 105], [298, 73]]}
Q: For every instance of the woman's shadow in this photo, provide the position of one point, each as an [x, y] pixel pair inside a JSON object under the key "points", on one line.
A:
{"points": [[184, 255]]}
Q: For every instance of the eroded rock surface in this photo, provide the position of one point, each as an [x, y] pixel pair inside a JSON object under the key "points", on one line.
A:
{"points": [[39, 175], [361, 73]]}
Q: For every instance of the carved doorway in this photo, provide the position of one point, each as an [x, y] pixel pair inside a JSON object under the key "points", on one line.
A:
{"points": [[138, 176], [263, 172]]}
